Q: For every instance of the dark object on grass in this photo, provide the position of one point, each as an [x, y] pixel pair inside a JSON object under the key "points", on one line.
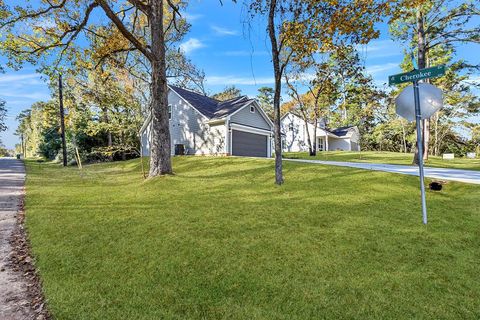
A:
{"points": [[435, 186], [179, 149]]}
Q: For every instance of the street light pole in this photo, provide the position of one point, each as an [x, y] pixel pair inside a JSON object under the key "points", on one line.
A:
{"points": [[418, 119], [62, 120]]}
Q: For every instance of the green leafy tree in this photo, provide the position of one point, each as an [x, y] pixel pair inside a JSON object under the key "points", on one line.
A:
{"points": [[429, 25], [298, 29], [135, 26], [227, 94], [265, 99]]}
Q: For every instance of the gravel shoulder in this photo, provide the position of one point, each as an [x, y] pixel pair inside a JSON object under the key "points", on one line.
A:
{"points": [[16, 282]]}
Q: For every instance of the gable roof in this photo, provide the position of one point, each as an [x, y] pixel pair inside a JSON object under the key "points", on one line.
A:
{"points": [[342, 131], [210, 107]]}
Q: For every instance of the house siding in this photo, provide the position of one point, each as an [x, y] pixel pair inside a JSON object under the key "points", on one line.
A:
{"points": [[188, 127], [252, 119], [335, 144], [294, 131], [294, 138]]}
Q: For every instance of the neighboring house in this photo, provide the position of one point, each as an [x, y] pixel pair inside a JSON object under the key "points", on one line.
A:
{"points": [[204, 126], [294, 136]]}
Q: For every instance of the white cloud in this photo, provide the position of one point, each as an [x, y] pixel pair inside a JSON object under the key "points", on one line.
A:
{"points": [[21, 86], [28, 78], [381, 49], [474, 80], [28, 94], [191, 44], [223, 31], [381, 69], [191, 16], [234, 80]]}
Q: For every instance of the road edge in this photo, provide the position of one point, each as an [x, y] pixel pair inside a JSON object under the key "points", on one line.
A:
{"points": [[21, 260]]}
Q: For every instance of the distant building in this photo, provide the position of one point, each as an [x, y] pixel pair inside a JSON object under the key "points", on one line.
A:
{"points": [[294, 136]]}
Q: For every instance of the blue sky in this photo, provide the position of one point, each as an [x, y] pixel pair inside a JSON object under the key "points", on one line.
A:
{"points": [[229, 50]]}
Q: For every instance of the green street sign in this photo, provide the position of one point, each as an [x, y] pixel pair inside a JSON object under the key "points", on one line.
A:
{"points": [[411, 76]]}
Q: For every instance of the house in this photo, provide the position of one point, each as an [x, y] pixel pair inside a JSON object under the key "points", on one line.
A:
{"points": [[294, 136], [200, 125]]}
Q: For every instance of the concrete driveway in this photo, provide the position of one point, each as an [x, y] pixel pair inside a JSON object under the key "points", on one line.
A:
{"points": [[466, 176], [14, 303]]}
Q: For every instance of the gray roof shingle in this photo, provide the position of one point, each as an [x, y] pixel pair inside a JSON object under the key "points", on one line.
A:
{"points": [[210, 107], [342, 131]]}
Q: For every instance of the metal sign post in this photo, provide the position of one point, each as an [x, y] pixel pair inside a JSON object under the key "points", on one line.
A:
{"points": [[418, 119], [427, 100]]}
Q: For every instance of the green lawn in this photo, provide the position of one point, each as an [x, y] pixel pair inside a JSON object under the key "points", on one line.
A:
{"points": [[220, 241], [387, 157]]}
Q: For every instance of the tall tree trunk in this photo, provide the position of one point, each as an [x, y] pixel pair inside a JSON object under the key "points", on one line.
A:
{"points": [[23, 148], [426, 138], [404, 137], [437, 146], [122, 138], [160, 154], [307, 130], [315, 123], [421, 61], [109, 133], [277, 92]]}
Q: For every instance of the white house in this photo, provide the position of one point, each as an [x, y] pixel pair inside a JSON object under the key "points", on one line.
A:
{"points": [[294, 136], [200, 125]]}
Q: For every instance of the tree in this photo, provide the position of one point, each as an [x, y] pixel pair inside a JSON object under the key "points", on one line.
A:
{"points": [[3, 115], [335, 83], [297, 29], [113, 100], [3, 151], [227, 94], [427, 24], [265, 99], [140, 26]]}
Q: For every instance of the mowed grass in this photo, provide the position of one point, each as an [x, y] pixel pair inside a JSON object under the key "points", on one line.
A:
{"points": [[220, 241], [387, 157]]}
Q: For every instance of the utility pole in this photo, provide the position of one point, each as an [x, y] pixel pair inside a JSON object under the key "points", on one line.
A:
{"points": [[62, 120], [23, 147]]}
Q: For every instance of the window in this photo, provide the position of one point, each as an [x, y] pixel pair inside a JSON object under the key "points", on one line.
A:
{"points": [[252, 109], [320, 144], [291, 127], [169, 112]]}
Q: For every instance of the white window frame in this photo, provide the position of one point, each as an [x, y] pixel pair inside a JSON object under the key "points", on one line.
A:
{"points": [[320, 144], [252, 109], [170, 113]]}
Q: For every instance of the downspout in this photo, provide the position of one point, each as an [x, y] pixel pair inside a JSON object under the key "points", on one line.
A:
{"points": [[228, 137]]}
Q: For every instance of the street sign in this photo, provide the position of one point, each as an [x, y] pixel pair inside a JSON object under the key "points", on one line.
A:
{"points": [[431, 100], [409, 105], [416, 75]]}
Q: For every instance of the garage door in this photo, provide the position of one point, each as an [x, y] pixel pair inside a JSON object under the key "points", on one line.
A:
{"points": [[248, 144]]}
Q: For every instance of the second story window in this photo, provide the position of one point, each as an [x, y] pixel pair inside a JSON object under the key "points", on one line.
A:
{"points": [[169, 112], [252, 109]]}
